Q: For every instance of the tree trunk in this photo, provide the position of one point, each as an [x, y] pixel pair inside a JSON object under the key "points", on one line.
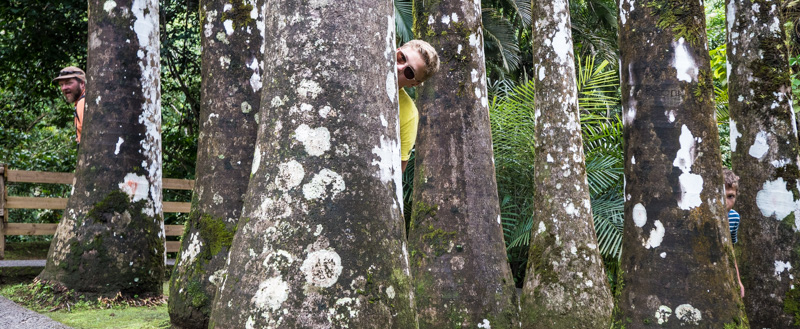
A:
{"points": [[565, 284], [462, 277], [677, 262], [232, 69], [320, 242], [764, 154], [111, 238]]}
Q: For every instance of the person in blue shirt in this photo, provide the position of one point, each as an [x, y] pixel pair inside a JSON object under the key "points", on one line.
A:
{"points": [[731, 190]]}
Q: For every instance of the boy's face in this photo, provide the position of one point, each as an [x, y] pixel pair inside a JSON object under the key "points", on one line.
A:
{"points": [[730, 198]]}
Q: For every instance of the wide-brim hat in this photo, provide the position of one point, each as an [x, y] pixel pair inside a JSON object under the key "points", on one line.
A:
{"points": [[69, 73]]}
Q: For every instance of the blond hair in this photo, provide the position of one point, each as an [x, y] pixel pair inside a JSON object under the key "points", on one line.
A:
{"points": [[427, 53], [731, 180]]}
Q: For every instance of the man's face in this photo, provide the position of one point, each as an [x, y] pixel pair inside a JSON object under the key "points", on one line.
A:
{"points": [[71, 88], [730, 198], [410, 68]]}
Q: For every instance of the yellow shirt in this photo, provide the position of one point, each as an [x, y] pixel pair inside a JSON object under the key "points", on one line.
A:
{"points": [[409, 118]]}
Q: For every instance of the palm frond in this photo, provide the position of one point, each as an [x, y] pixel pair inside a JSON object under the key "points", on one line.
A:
{"points": [[500, 41], [403, 20]]}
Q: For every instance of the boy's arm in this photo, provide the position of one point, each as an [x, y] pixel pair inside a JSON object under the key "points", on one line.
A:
{"points": [[741, 286]]}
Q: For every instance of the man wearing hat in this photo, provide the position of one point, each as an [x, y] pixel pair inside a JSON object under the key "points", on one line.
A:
{"points": [[72, 81]]}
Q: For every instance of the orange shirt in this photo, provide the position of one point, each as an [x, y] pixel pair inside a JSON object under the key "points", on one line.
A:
{"points": [[79, 116]]}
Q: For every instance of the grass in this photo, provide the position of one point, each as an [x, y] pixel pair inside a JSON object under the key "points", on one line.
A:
{"points": [[26, 250], [82, 313]]}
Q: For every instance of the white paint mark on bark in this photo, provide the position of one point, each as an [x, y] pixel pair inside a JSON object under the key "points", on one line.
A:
{"points": [[322, 268], [119, 143], [391, 85], [656, 236], [760, 146], [684, 62], [735, 134], [691, 184], [135, 186], [776, 199], [639, 215]]}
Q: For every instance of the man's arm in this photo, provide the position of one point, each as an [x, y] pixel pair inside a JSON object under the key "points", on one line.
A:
{"points": [[403, 166]]}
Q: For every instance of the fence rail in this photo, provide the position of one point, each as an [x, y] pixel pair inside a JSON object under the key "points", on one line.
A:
{"points": [[42, 177]]}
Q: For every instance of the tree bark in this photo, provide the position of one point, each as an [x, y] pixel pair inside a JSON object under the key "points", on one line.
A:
{"points": [[565, 284], [232, 62], [111, 238], [764, 154], [677, 262], [462, 277], [320, 242]]}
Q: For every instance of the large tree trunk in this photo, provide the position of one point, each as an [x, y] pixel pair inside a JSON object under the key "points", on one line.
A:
{"points": [[320, 242], [764, 154], [677, 262], [111, 238], [231, 93], [462, 277], [565, 284]]}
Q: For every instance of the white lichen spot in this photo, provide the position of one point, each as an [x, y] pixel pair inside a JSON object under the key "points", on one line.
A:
{"points": [[735, 134], [191, 252], [760, 146], [135, 186], [460, 48], [109, 5], [318, 187], [485, 324], [322, 268], [316, 141], [323, 112], [290, 174], [383, 121], [246, 107], [119, 143], [550, 158], [663, 255], [446, 20], [256, 160], [639, 215], [663, 313], [688, 314], [457, 263], [310, 89], [388, 163], [454, 17], [276, 102], [656, 236], [390, 292], [217, 199], [271, 294], [684, 62], [780, 267]]}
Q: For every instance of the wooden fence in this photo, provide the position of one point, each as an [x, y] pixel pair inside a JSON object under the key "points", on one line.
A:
{"points": [[15, 202]]}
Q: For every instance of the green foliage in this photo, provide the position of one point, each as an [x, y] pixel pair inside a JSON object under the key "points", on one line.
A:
{"points": [[513, 133], [403, 20]]}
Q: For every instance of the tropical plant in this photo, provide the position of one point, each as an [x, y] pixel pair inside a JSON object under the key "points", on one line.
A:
{"points": [[513, 125]]}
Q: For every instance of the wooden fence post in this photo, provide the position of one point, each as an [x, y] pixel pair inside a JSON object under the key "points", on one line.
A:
{"points": [[3, 211]]}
